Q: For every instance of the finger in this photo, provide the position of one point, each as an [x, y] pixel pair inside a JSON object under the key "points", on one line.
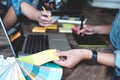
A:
{"points": [[61, 63], [47, 13], [85, 26], [88, 33], [44, 24], [78, 30], [61, 53], [45, 18]]}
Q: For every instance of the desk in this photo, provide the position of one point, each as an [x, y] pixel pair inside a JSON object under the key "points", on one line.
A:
{"points": [[82, 71]]}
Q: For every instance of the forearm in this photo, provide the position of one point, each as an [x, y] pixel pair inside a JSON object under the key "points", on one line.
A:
{"points": [[29, 11], [104, 29], [107, 59], [10, 18]]}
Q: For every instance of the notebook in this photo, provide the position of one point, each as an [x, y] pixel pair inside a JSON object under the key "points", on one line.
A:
{"points": [[90, 41], [24, 45]]}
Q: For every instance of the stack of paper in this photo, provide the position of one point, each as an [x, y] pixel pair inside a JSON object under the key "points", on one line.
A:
{"points": [[30, 67], [44, 29]]}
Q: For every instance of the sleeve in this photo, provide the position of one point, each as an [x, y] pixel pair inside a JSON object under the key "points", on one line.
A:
{"points": [[16, 5], [117, 63], [117, 59]]}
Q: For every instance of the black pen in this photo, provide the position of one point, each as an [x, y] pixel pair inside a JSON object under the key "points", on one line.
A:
{"points": [[82, 19], [81, 25]]}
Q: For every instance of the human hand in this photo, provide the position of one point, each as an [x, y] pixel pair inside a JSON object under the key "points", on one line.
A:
{"points": [[86, 30], [71, 57], [49, 5], [44, 18]]}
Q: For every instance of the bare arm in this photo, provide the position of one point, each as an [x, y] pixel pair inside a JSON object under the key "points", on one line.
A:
{"points": [[10, 18], [97, 29], [106, 59], [104, 29], [29, 11], [32, 13]]}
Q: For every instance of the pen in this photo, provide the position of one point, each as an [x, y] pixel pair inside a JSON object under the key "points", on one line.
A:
{"points": [[82, 19], [45, 11]]}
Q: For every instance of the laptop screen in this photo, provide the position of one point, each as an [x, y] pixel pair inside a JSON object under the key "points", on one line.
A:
{"points": [[6, 47]]}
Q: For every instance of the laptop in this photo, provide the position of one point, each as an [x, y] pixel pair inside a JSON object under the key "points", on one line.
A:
{"points": [[33, 43]]}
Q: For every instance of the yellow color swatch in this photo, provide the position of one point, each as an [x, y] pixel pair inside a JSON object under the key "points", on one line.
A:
{"points": [[40, 57]]}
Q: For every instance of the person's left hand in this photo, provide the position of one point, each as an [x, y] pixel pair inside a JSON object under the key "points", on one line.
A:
{"points": [[71, 57], [44, 18]]}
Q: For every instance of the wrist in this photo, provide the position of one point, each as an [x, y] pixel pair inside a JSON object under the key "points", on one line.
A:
{"points": [[93, 59], [94, 29], [88, 54], [38, 15]]}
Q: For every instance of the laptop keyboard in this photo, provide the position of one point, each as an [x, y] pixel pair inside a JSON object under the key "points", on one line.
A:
{"points": [[36, 43], [18, 43]]}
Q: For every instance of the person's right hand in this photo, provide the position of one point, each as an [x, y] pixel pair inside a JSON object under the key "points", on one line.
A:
{"points": [[86, 30], [44, 18], [72, 57]]}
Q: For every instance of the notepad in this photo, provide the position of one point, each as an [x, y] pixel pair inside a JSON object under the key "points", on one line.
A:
{"points": [[39, 29], [53, 27], [43, 29], [66, 28], [15, 36], [89, 41]]}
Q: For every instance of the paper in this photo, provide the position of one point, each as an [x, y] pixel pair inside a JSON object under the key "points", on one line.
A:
{"points": [[70, 21], [55, 18], [53, 26], [39, 29], [69, 26], [43, 29], [40, 58], [12, 69], [64, 30], [48, 71], [19, 72], [15, 36]]}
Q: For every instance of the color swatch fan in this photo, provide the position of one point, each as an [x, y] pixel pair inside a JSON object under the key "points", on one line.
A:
{"points": [[31, 67]]}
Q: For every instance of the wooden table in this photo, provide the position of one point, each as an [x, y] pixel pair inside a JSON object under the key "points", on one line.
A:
{"points": [[82, 71]]}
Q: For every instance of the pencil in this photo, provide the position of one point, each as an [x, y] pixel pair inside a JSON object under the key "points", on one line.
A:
{"points": [[45, 11]]}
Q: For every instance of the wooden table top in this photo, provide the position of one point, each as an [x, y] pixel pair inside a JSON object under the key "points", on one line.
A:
{"points": [[83, 71]]}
